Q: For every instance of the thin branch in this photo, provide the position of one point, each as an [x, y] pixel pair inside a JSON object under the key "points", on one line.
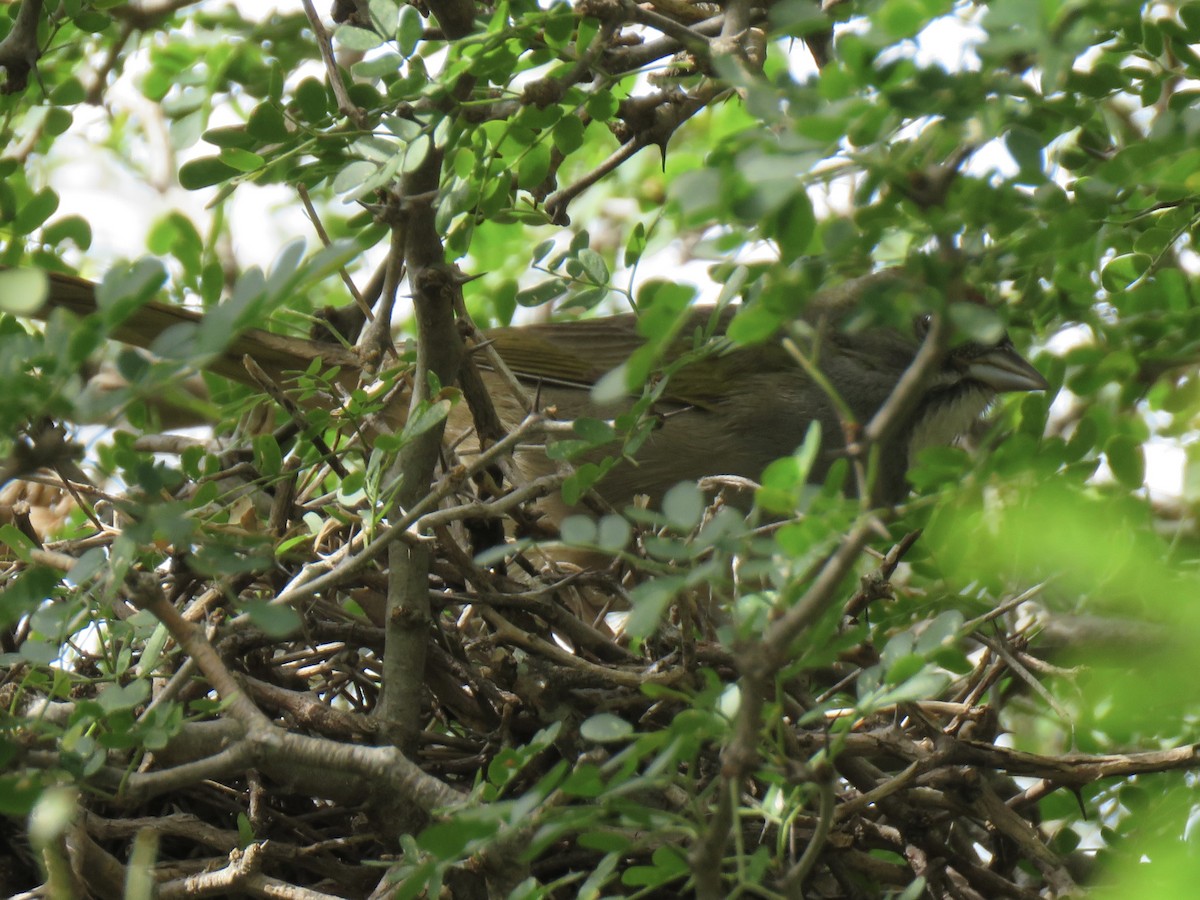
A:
{"points": [[323, 235], [347, 106]]}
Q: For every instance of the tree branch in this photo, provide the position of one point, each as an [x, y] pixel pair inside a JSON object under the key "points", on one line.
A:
{"points": [[19, 51]]}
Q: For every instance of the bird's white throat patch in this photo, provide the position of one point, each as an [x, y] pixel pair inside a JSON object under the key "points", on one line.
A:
{"points": [[944, 422]]}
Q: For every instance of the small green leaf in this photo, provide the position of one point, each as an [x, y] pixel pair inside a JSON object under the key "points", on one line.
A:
{"points": [[753, 324], [267, 123], [594, 431], [35, 211], [116, 697], [669, 865], [942, 631], [925, 684], [904, 668], [683, 505], [449, 839], [534, 166], [312, 99], [1127, 461], [409, 30], [584, 782], [267, 456], [352, 176], [636, 245], [385, 16], [579, 483], [92, 22], [19, 793], [26, 592], [613, 533], [242, 160], [579, 531], [650, 600], [979, 323], [353, 38], [784, 479], [415, 153], [612, 386], [246, 835], [230, 136], [793, 225], [605, 728], [69, 92], [568, 134], [901, 18], [90, 563], [274, 619], [806, 453], [1027, 150], [75, 229], [128, 288], [699, 193], [601, 105], [205, 172], [58, 120], [595, 266], [798, 19], [23, 291], [426, 416], [541, 293], [1122, 271]]}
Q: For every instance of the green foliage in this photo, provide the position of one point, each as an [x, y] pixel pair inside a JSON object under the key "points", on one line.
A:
{"points": [[1050, 167]]}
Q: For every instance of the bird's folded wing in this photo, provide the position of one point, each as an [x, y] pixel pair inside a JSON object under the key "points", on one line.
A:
{"points": [[567, 353], [579, 353]]}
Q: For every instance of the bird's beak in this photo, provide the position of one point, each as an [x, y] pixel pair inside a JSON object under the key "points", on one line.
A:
{"points": [[1004, 369]]}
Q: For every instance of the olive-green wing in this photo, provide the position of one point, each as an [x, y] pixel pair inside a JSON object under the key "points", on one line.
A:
{"points": [[569, 353], [578, 353]]}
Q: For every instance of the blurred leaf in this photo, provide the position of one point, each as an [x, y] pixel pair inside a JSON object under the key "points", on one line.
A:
{"points": [[447, 840], [979, 323], [1126, 460], [273, 619], [409, 30], [36, 210], [353, 38], [613, 533], [793, 225], [205, 172], [22, 291], [605, 728], [683, 506], [1122, 271], [650, 599], [578, 530]]}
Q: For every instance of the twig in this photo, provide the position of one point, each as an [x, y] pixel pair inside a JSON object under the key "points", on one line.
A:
{"points": [[293, 410], [877, 585], [793, 881], [315, 218], [347, 107]]}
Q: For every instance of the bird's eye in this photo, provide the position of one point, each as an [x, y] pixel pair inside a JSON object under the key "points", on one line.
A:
{"points": [[923, 325]]}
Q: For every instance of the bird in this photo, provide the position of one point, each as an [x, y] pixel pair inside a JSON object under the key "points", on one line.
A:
{"points": [[729, 412], [736, 411]]}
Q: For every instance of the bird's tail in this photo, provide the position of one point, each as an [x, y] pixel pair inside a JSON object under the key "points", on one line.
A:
{"points": [[275, 354]]}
